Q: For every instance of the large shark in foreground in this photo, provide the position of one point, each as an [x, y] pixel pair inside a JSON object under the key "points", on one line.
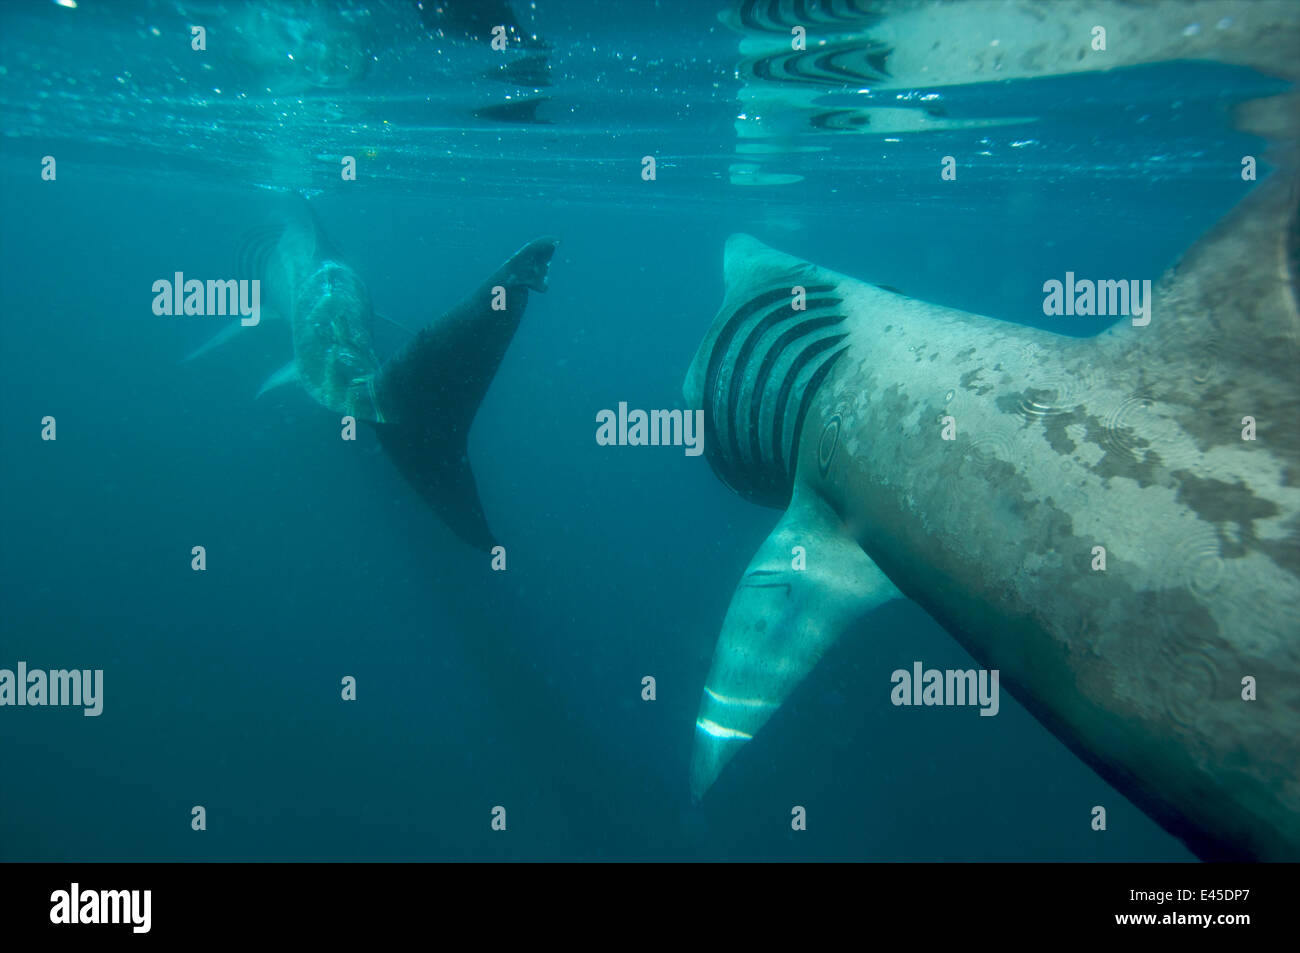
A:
{"points": [[1131, 441], [422, 400]]}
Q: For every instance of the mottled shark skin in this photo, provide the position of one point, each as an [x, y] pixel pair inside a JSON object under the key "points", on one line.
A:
{"points": [[1131, 440], [422, 400]]}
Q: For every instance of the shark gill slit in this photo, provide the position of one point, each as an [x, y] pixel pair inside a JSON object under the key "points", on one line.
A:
{"points": [[716, 437], [809, 389], [256, 246], [803, 326], [755, 471]]}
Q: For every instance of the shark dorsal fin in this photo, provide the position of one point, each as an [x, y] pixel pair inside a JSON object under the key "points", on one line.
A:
{"points": [[1224, 336], [1236, 285]]}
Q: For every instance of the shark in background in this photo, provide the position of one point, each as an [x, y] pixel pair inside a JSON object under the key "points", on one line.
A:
{"points": [[422, 400], [1132, 440]]}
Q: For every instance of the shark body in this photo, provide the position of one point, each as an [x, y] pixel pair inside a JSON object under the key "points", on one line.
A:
{"points": [[1131, 441]]}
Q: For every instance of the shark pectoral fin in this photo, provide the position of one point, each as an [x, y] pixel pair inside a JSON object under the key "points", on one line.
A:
{"points": [[285, 375], [782, 619], [226, 334]]}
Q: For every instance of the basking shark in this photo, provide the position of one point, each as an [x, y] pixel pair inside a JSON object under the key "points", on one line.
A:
{"points": [[423, 399], [1132, 440]]}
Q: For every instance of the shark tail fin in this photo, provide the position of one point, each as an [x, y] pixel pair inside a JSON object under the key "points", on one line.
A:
{"points": [[530, 266], [445, 482], [425, 433], [788, 610], [430, 390]]}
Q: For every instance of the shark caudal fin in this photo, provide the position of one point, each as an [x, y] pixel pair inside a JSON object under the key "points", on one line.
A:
{"points": [[807, 583], [431, 389]]}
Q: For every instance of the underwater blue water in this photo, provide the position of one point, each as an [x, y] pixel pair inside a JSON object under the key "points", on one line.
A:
{"points": [[520, 688]]}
